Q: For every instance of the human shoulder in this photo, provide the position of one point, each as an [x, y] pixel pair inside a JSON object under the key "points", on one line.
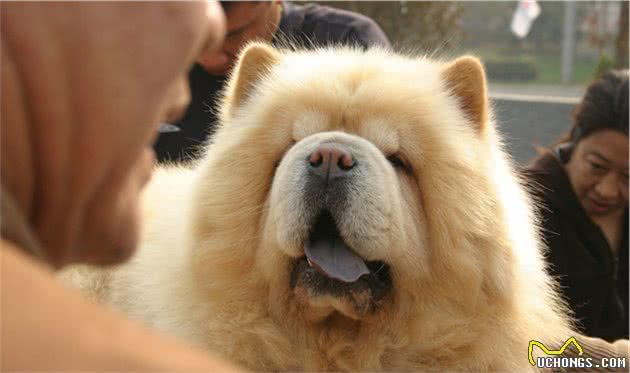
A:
{"points": [[55, 328], [338, 25], [545, 162], [544, 176], [598, 348], [552, 196]]}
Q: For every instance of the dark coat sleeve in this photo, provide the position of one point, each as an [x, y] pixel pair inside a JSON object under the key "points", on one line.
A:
{"points": [[367, 34], [554, 240], [324, 25]]}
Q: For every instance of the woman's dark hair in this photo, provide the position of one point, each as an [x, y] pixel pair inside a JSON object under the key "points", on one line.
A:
{"points": [[604, 106]]}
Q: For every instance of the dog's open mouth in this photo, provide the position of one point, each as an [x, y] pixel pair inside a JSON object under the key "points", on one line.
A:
{"points": [[331, 274]]}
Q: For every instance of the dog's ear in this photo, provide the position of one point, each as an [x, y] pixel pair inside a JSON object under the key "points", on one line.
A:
{"points": [[254, 63], [466, 80]]}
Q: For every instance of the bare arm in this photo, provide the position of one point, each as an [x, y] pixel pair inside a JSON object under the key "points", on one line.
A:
{"points": [[45, 326]]}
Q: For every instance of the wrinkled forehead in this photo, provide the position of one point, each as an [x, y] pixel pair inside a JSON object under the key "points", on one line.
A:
{"points": [[380, 131], [401, 105], [377, 83]]}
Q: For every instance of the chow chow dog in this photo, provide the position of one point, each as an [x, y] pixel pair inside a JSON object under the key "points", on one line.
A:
{"points": [[355, 212]]}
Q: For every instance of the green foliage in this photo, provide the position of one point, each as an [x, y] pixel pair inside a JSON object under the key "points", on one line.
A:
{"points": [[546, 64], [604, 64], [511, 70]]}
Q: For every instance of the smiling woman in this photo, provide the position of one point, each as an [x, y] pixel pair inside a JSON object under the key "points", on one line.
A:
{"points": [[583, 187]]}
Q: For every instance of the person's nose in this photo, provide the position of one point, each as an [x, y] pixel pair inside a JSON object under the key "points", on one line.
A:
{"points": [[608, 187], [217, 25], [213, 60], [180, 101]]}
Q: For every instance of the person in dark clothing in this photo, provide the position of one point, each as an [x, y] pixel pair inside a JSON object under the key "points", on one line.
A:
{"points": [[582, 184], [281, 23]]}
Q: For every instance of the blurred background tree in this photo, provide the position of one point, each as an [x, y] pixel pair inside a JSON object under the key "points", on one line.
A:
{"points": [[621, 50], [427, 26], [448, 28]]}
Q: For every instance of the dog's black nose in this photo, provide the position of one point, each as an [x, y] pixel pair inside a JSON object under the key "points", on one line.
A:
{"points": [[330, 161]]}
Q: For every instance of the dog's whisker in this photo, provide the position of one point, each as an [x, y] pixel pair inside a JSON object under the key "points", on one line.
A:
{"points": [[380, 268]]}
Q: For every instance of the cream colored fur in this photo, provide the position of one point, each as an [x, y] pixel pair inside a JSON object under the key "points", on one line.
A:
{"points": [[469, 287]]}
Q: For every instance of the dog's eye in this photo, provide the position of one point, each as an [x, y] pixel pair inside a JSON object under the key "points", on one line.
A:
{"points": [[396, 161]]}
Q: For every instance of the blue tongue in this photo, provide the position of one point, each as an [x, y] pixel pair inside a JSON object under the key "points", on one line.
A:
{"points": [[331, 256]]}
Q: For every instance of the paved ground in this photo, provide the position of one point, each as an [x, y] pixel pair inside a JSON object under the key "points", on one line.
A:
{"points": [[525, 124], [530, 115], [556, 91]]}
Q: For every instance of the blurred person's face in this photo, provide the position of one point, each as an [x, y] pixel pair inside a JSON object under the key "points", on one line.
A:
{"points": [[149, 54], [598, 170], [118, 71], [246, 21]]}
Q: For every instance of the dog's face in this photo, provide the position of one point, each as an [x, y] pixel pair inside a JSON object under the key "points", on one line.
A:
{"points": [[336, 212], [360, 185]]}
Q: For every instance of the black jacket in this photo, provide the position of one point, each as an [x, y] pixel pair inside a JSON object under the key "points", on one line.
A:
{"points": [[309, 25], [594, 282]]}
